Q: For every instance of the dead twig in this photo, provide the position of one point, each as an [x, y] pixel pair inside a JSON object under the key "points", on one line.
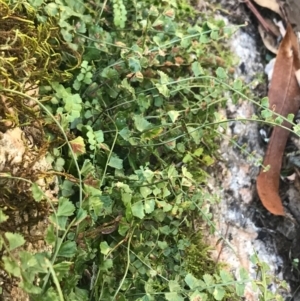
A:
{"points": [[259, 17]]}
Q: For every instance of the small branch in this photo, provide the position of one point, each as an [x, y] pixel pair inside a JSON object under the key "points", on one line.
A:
{"points": [[259, 17]]}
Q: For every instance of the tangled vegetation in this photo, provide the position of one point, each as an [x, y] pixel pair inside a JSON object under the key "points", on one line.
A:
{"points": [[128, 92]]}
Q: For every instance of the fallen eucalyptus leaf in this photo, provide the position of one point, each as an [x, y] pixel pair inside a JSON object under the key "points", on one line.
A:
{"points": [[284, 99], [268, 40]]}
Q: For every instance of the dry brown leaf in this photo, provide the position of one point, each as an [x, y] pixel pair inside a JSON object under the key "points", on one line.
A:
{"points": [[270, 4], [269, 40], [284, 99], [179, 60]]}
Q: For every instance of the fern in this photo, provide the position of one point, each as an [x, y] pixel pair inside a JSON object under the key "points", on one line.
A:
{"points": [[120, 13]]}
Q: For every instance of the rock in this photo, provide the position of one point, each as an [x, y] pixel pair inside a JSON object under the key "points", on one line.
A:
{"points": [[237, 212]]}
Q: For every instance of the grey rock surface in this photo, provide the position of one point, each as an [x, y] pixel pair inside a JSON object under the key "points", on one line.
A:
{"points": [[235, 214]]}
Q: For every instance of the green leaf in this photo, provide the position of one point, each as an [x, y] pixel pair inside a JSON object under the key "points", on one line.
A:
{"points": [[144, 102], [237, 85], [126, 197], [208, 160], [163, 204], [204, 39], [15, 240], [95, 204], [198, 296], [108, 264], [240, 289], [62, 269], [265, 102], [174, 115], [198, 152], [105, 248], [50, 235], [78, 146], [156, 191], [92, 191], [148, 174], [166, 192], [138, 209], [115, 162], [296, 129], [162, 245], [87, 168], [88, 78], [51, 9], [59, 221], [80, 77], [29, 287], [99, 136], [37, 192], [195, 134], [123, 227], [3, 216], [125, 133], [141, 123], [51, 295], [244, 274], [28, 261], [290, 117], [163, 89], [165, 230], [214, 34], [266, 114], [221, 73], [59, 164], [80, 216], [197, 69], [162, 85], [219, 293], [153, 133], [36, 3], [67, 188], [187, 158], [134, 65], [65, 207], [208, 279], [149, 206], [68, 249], [211, 25], [77, 85], [278, 120], [225, 276], [145, 191], [109, 73], [164, 78], [11, 266], [73, 106], [120, 13]]}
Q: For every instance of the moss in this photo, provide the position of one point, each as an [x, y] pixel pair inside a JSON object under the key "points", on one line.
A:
{"points": [[198, 260], [199, 263]]}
